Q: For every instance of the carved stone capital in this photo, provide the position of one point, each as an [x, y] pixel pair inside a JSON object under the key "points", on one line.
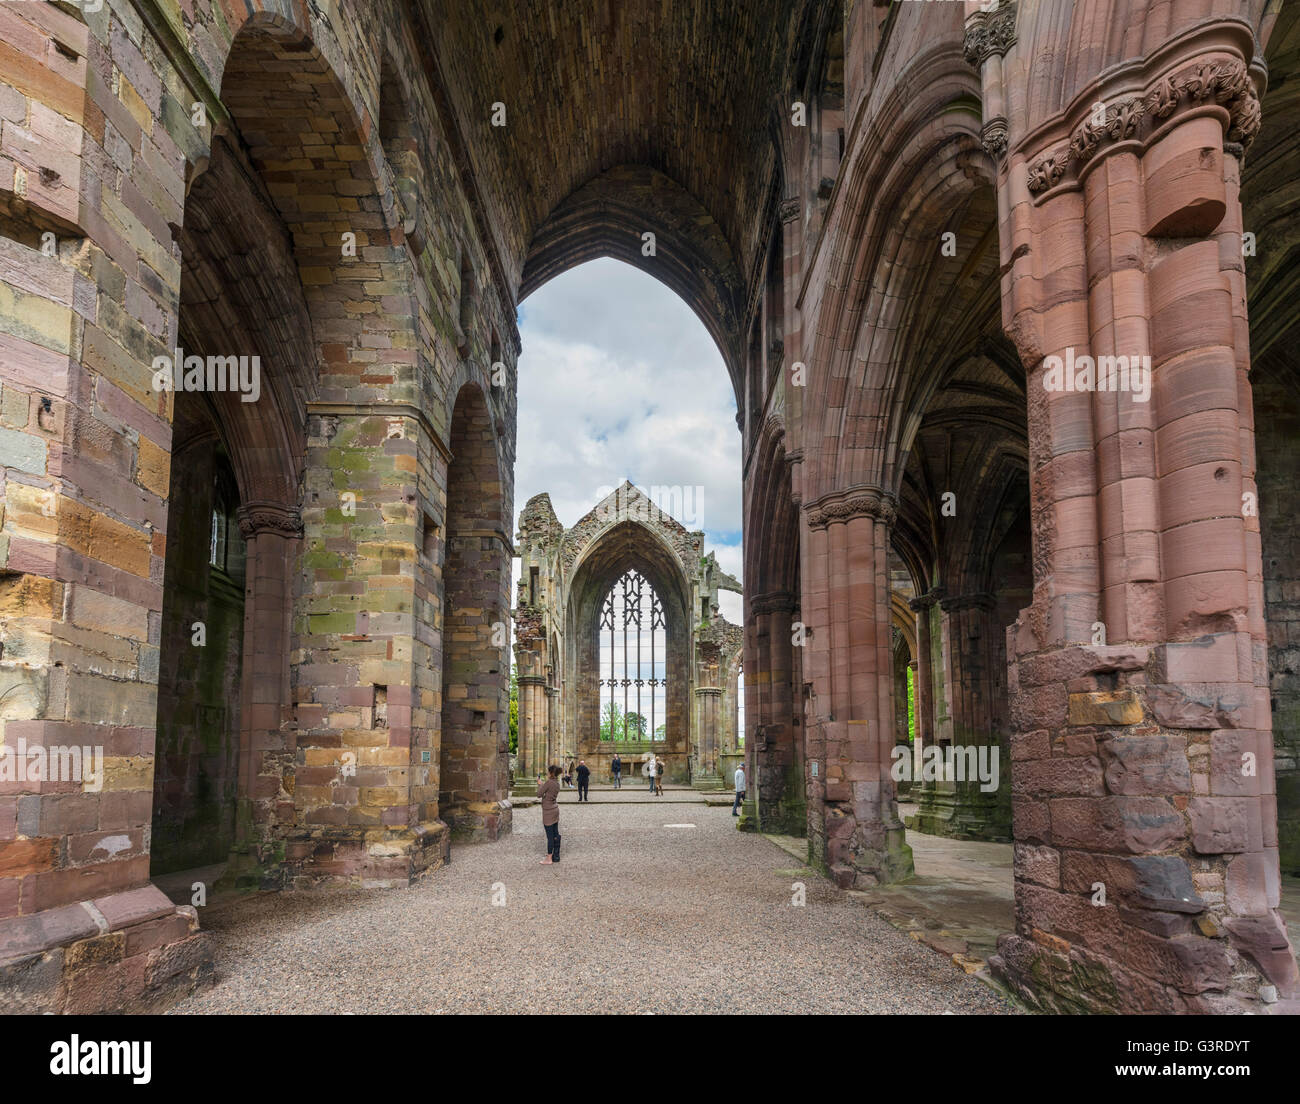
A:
{"points": [[789, 209], [775, 602], [827, 511], [1222, 81], [989, 33], [256, 518], [925, 601]]}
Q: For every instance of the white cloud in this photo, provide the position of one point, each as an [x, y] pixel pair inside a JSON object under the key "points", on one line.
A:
{"points": [[618, 379]]}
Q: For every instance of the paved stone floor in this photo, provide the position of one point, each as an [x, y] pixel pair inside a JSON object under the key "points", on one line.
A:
{"points": [[639, 917]]}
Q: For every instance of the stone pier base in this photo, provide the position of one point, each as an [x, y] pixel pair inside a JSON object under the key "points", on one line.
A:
{"points": [[374, 859], [480, 821], [133, 951]]}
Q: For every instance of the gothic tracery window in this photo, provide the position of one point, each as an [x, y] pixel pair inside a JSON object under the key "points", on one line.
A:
{"points": [[633, 655]]}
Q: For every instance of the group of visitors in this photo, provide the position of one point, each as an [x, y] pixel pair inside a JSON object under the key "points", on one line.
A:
{"points": [[654, 770], [549, 791], [577, 775], [579, 771]]}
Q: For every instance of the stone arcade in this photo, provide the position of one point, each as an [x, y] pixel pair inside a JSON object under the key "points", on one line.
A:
{"points": [[1103, 589]]}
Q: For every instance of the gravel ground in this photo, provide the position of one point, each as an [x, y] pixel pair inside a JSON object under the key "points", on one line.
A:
{"points": [[637, 918]]}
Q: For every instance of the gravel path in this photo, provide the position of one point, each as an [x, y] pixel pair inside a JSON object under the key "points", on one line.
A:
{"points": [[638, 917]]}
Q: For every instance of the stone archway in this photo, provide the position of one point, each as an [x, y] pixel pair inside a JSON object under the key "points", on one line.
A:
{"points": [[566, 578], [472, 766]]}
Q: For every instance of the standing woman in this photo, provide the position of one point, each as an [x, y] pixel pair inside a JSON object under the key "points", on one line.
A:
{"points": [[549, 792]]}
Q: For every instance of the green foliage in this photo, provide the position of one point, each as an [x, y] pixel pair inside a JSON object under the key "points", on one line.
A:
{"points": [[514, 709], [661, 733], [911, 706], [611, 722]]}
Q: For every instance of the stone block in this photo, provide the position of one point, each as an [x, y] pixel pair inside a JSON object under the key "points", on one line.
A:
{"points": [[1105, 708], [1041, 865], [1146, 764], [1224, 825], [1116, 824]]}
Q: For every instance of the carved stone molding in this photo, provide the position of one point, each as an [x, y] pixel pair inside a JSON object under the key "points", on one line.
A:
{"points": [[989, 33], [1225, 81], [776, 602], [924, 601], [774, 426], [268, 517], [872, 504]]}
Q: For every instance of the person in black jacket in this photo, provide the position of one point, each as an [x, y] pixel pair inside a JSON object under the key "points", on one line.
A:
{"points": [[616, 766], [584, 779]]}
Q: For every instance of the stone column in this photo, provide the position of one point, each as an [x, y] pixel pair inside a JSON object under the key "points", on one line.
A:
{"points": [[780, 780], [1144, 811], [848, 586], [533, 704], [960, 806], [753, 718], [553, 733], [268, 727], [708, 699], [924, 690]]}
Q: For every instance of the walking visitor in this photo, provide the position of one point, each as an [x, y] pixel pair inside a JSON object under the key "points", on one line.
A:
{"points": [[549, 792]]}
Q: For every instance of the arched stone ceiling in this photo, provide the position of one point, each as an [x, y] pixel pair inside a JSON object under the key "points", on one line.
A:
{"points": [[607, 216], [685, 88]]}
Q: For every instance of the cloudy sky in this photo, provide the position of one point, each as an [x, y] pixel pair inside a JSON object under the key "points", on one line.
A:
{"points": [[619, 379]]}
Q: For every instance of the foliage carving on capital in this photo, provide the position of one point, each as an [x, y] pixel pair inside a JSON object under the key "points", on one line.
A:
{"points": [[989, 33], [1224, 81], [822, 514], [267, 517]]}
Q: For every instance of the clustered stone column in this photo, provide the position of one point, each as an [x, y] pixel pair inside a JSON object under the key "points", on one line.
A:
{"points": [[1146, 858], [855, 826]]}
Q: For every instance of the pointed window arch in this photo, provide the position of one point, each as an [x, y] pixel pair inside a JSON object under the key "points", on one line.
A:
{"points": [[633, 661]]}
